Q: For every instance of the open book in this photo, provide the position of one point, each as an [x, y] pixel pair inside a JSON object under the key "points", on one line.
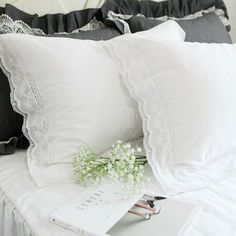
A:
{"points": [[103, 210]]}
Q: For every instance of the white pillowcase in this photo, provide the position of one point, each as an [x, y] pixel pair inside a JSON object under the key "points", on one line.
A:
{"points": [[187, 98], [70, 94]]}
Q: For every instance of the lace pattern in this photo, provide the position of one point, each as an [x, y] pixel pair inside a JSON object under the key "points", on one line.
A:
{"points": [[7, 25]]}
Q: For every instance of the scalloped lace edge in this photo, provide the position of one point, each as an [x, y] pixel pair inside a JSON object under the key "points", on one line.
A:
{"points": [[8, 25], [112, 16]]}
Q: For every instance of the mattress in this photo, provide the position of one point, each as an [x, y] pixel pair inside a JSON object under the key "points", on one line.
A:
{"points": [[24, 209]]}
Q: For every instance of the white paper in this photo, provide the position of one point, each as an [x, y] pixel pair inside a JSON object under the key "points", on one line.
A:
{"points": [[95, 210]]}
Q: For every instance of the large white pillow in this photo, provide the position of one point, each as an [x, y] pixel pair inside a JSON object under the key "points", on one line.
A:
{"points": [[187, 99], [70, 94]]}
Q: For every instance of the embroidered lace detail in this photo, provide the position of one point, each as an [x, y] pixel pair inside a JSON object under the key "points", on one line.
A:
{"points": [[112, 16], [7, 25]]}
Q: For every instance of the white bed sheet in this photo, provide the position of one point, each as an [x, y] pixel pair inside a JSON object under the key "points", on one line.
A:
{"points": [[24, 209]]}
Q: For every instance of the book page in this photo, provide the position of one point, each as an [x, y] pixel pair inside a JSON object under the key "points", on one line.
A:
{"points": [[96, 209]]}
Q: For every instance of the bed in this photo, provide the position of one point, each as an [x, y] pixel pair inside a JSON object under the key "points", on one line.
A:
{"points": [[24, 208]]}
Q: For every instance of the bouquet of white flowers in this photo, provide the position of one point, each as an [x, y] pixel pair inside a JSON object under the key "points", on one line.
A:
{"points": [[120, 164]]}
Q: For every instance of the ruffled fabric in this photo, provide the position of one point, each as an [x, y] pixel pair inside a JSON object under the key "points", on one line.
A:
{"points": [[55, 23], [194, 25], [171, 8], [12, 222]]}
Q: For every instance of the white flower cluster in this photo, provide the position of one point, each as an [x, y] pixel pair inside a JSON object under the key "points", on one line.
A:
{"points": [[120, 164]]}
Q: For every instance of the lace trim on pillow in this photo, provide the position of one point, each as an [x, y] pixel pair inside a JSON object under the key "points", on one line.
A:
{"points": [[7, 25], [26, 100], [22, 101], [112, 16], [165, 148]]}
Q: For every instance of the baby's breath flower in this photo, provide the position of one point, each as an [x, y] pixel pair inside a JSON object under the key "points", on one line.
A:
{"points": [[139, 149], [141, 167], [119, 165], [131, 167]]}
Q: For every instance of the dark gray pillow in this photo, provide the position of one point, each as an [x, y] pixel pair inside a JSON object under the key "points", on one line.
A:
{"points": [[55, 23], [208, 28], [10, 121], [2, 10], [105, 33], [171, 8]]}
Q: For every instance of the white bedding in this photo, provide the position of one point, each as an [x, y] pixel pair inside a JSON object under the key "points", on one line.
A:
{"points": [[24, 209]]}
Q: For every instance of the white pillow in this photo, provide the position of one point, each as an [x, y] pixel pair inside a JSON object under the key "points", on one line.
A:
{"points": [[187, 99], [70, 95]]}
